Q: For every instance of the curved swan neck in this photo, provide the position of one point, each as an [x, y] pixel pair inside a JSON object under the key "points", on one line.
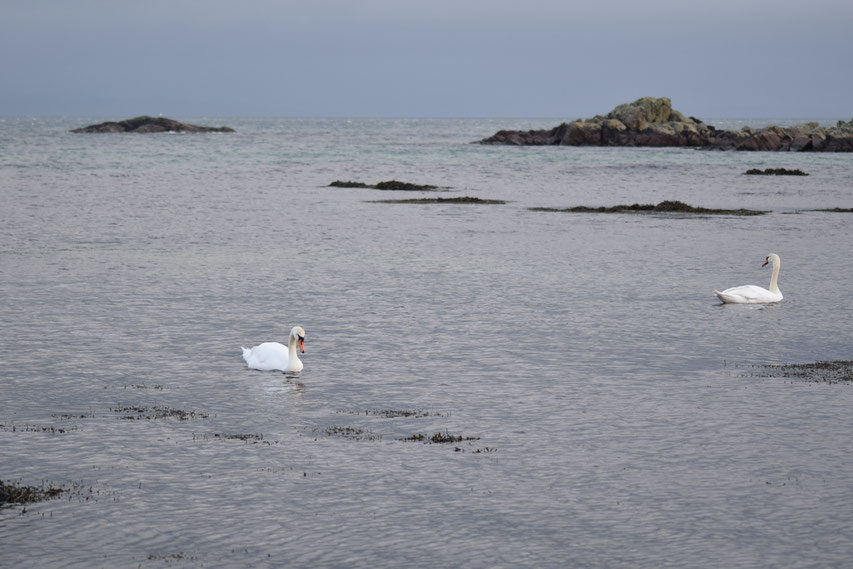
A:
{"points": [[291, 349], [774, 280]]}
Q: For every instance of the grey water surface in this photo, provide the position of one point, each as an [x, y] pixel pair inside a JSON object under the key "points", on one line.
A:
{"points": [[614, 414]]}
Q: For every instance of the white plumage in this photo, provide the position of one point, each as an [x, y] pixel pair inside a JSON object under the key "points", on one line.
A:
{"points": [[271, 356], [752, 294]]}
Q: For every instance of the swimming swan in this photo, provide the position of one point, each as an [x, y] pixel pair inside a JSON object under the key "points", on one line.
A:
{"points": [[751, 294], [274, 356]]}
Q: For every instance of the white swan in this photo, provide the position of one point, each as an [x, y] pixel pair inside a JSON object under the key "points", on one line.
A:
{"points": [[751, 294], [274, 356]]}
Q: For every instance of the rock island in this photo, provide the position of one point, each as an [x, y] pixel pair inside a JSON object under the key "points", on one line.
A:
{"points": [[146, 124], [653, 122]]}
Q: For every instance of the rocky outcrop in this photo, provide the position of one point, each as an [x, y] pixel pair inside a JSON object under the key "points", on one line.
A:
{"points": [[145, 124], [653, 122]]}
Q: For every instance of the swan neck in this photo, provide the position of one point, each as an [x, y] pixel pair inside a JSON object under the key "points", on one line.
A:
{"points": [[774, 280], [291, 349]]}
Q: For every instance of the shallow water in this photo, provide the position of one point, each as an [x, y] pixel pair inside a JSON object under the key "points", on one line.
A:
{"points": [[615, 404]]}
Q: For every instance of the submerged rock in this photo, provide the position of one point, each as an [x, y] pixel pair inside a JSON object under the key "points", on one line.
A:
{"points": [[837, 210], [461, 200], [653, 122], [146, 124], [394, 185], [668, 206]]}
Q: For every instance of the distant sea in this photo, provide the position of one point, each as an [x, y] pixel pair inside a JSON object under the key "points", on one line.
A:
{"points": [[596, 406]]}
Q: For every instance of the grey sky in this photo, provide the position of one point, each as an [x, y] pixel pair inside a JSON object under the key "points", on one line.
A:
{"points": [[424, 58]]}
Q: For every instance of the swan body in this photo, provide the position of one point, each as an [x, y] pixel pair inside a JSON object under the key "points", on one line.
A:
{"points": [[271, 356], [752, 294]]}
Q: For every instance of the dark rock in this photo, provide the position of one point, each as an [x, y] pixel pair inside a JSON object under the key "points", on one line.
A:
{"points": [[668, 206], [348, 184], [146, 124], [584, 134], [394, 185], [404, 186], [840, 137], [653, 122]]}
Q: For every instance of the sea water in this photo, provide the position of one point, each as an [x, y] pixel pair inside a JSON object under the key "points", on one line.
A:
{"points": [[611, 412]]}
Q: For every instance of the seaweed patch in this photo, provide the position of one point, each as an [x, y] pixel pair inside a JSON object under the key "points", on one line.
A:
{"points": [[257, 437], [180, 556], [397, 413], [156, 386], [460, 200], [775, 172], [158, 412], [18, 494], [447, 438], [27, 428], [830, 372], [69, 416], [440, 438], [346, 432]]}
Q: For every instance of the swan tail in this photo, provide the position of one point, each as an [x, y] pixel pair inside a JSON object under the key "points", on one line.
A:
{"points": [[723, 297], [246, 353], [728, 298]]}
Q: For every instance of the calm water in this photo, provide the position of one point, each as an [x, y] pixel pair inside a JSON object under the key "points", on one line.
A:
{"points": [[619, 420]]}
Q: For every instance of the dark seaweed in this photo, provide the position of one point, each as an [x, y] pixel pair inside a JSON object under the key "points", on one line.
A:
{"points": [[353, 433], [14, 494], [462, 200], [775, 172], [440, 438], [838, 371], [158, 412], [395, 413], [254, 437]]}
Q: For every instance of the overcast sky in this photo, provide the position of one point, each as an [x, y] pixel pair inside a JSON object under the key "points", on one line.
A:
{"points": [[425, 58]]}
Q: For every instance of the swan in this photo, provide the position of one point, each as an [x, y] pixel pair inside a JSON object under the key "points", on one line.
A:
{"points": [[274, 356], [751, 294]]}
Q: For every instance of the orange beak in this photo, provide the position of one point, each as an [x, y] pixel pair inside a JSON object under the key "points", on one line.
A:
{"points": [[302, 345], [765, 262]]}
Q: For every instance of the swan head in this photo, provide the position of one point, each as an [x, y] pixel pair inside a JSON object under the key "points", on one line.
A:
{"points": [[297, 335], [771, 258]]}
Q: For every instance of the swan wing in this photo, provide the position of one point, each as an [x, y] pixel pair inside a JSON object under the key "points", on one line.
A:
{"points": [[267, 356], [747, 294]]}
